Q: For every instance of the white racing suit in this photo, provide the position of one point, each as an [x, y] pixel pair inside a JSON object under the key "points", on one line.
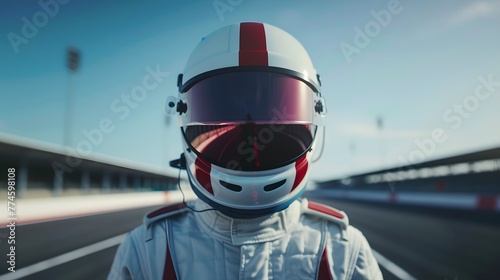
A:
{"points": [[305, 241]]}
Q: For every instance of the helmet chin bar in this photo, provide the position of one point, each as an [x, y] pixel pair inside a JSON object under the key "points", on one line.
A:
{"points": [[243, 213], [247, 193]]}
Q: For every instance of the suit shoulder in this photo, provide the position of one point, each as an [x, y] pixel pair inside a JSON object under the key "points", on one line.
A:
{"points": [[164, 212], [326, 212]]}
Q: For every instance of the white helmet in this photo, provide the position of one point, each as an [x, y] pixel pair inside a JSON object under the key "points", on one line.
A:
{"points": [[249, 103]]}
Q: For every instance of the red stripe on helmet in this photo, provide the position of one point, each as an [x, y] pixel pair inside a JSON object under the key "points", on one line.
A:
{"points": [[300, 171], [202, 174], [253, 49]]}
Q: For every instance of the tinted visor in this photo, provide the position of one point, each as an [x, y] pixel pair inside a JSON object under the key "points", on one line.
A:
{"points": [[249, 97], [250, 147]]}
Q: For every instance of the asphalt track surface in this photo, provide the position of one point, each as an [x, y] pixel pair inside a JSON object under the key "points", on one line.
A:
{"points": [[426, 243]]}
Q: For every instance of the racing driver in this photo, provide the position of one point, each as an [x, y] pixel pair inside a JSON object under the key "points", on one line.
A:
{"points": [[250, 106]]}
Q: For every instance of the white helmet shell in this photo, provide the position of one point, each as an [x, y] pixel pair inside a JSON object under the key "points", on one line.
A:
{"points": [[223, 68]]}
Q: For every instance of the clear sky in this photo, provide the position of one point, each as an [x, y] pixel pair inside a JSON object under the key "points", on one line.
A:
{"points": [[429, 69]]}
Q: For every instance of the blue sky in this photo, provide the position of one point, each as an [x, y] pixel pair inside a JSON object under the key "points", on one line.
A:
{"points": [[419, 70]]}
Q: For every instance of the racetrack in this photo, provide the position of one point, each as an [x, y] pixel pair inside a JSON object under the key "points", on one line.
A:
{"points": [[41, 241], [430, 243], [426, 243]]}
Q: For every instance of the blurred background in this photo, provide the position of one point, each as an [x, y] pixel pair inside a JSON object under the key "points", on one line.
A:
{"points": [[413, 123]]}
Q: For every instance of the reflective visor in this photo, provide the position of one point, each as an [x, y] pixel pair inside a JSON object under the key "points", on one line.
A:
{"points": [[249, 97], [250, 147]]}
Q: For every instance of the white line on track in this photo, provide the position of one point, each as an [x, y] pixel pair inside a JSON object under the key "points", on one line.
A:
{"points": [[64, 258], [392, 267]]}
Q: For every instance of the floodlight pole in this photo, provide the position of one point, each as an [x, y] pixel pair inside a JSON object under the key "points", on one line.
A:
{"points": [[73, 59]]}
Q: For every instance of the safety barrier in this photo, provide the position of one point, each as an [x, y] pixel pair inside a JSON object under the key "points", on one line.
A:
{"points": [[446, 200]]}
